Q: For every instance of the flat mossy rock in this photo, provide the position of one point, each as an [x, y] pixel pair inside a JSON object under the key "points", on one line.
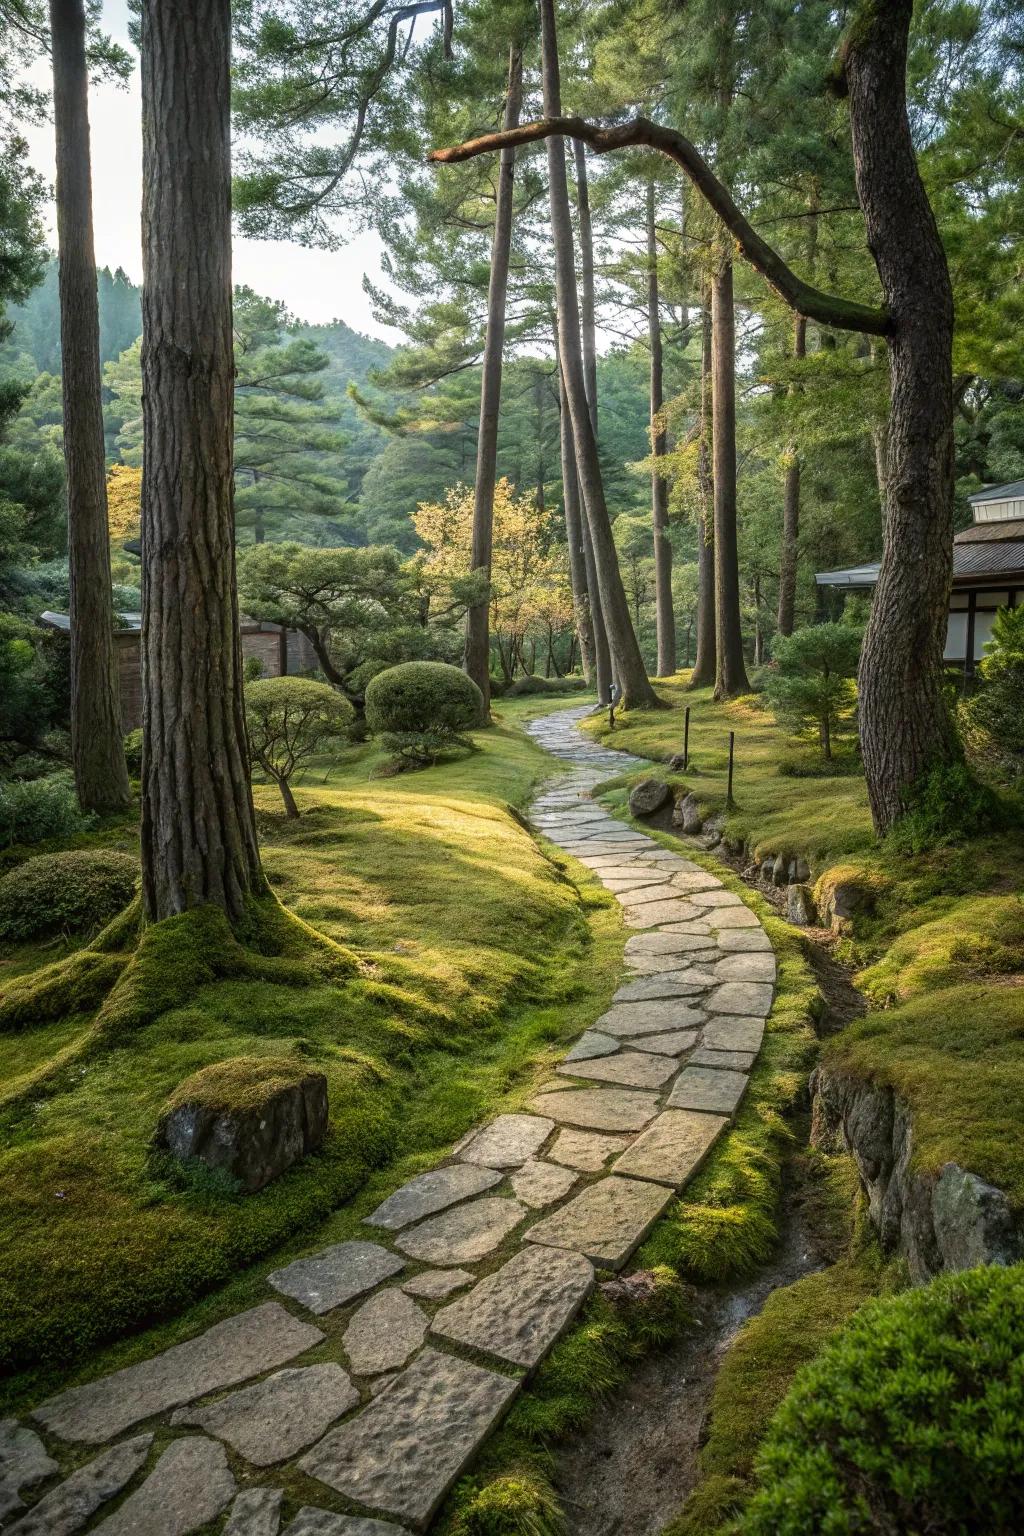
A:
{"points": [[251, 1117], [648, 796]]}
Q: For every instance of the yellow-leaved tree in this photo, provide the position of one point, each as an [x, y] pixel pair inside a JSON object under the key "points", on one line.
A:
{"points": [[531, 599], [124, 502]]}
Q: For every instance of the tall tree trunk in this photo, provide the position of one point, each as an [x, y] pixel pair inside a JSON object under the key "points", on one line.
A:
{"points": [[477, 659], [791, 507], [574, 541], [730, 672], [704, 665], [905, 725], [97, 746], [626, 657], [665, 617], [198, 827], [588, 301]]}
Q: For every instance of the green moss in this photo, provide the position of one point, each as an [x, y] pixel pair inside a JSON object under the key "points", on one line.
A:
{"points": [[977, 938], [70, 986], [522, 1503], [241, 1083], [74, 892]]}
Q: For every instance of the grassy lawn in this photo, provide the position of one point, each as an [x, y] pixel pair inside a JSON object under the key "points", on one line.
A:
{"points": [[479, 955], [939, 949]]}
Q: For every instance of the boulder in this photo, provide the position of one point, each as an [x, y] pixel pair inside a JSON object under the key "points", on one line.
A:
{"points": [[250, 1117], [678, 763], [648, 796], [800, 908], [799, 871], [687, 816], [780, 870]]}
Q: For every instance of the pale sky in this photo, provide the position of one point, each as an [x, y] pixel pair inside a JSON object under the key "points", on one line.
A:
{"points": [[317, 286]]}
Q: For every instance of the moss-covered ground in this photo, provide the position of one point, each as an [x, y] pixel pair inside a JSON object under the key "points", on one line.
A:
{"points": [[472, 955], [938, 947]]}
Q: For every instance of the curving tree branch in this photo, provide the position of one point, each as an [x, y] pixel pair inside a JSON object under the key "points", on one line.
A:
{"points": [[825, 308]]}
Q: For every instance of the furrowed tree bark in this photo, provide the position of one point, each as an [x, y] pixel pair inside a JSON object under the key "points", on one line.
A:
{"points": [[626, 658], [97, 743], [477, 658], [198, 827], [791, 508], [574, 540], [730, 670], [704, 665], [588, 300], [905, 726], [664, 614]]}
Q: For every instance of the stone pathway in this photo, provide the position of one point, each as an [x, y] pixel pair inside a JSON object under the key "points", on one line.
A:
{"points": [[469, 1273]]}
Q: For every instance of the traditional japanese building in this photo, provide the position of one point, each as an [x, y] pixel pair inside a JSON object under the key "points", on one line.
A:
{"points": [[988, 572]]}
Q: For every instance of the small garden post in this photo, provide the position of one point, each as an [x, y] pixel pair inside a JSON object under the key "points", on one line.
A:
{"points": [[686, 738]]}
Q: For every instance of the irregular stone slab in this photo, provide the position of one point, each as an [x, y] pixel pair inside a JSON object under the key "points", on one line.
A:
{"points": [[189, 1485], [671, 910], [733, 917], [592, 1043], [634, 1069], [384, 1333], [698, 928], [657, 944], [585, 1150], [756, 966], [650, 1018], [747, 997], [720, 898], [256, 1512], [741, 939], [336, 1275], [693, 881], [406, 1449], [672, 1149], [733, 1034], [24, 1460], [738, 1061], [278, 1417], [522, 1309], [430, 1192], [606, 1221], [507, 1141], [240, 1346], [436, 1284], [658, 965], [539, 1184], [642, 895], [602, 1109], [67, 1508], [311, 1521], [673, 1044], [664, 984], [707, 1089], [463, 1234]]}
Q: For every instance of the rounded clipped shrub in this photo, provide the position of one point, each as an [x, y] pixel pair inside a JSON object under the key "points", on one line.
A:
{"points": [[532, 683], [421, 708], [32, 811], [72, 892], [912, 1419]]}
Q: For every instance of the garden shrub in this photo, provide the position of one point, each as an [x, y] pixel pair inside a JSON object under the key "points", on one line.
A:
{"points": [[997, 709], [421, 708], [947, 805], [133, 753], [73, 892], [912, 1419], [812, 681], [532, 682], [40, 809], [290, 720]]}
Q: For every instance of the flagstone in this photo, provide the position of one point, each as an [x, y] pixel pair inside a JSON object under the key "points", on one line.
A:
{"points": [[664, 985], [747, 997], [592, 1043], [650, 913], [649, 1018], [24, 1460], [607, 1221], [673, 1043], [733, 917], [749, 967], [720, 898], [538, 1184], [695, 881], [671, 1149], [72, 1504], [632, 1069], [311, 1521], [384, 1333], [430, 1192], [601, 1109], [706, 1088], [586, 1150], [739, 1061], [190, 1485], [436, 1284], [733, 1034], [660, 943], [520, 1311], [335, 1275], [408, 1446], [738, 940], [245, 1345], [507, 1141], [279, 1416], [464, 1233], [255, 1512]]}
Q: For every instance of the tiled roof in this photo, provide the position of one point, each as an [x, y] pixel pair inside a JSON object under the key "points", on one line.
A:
{"points": [[989, 559], [985, 533], [1008, 492]]}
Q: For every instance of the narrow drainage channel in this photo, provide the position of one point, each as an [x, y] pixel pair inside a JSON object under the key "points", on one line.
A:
{"points": [[631, 1469]]}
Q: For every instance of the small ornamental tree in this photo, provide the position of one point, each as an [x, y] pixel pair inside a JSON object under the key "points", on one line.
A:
{"points": [[422, 708], [998, 708], [812, 684], [290, 720]]}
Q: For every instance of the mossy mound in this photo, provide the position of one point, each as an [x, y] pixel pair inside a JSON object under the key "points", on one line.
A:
{"points": [[238, 1085], [70, 893], [983, 937]]}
